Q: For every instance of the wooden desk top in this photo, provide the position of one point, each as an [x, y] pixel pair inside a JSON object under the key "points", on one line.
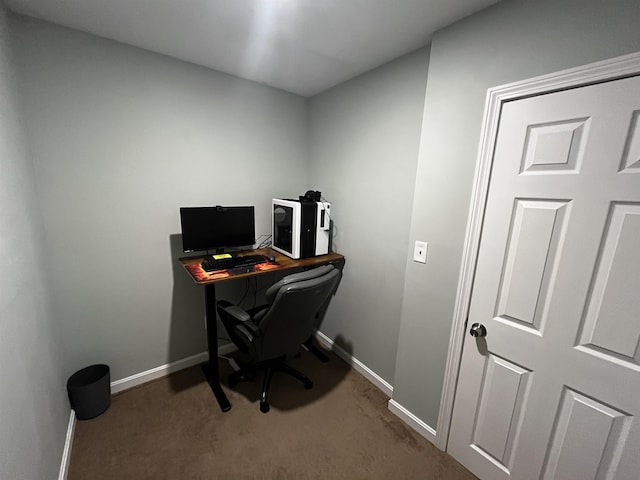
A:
{"points": [[282, 262]]}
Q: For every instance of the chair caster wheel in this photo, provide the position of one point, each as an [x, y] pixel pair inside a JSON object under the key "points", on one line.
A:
{"points": [[264, 407], [308, 385]]}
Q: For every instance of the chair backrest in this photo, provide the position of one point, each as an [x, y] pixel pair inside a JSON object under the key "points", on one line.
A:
{"points": [[294, 303]]}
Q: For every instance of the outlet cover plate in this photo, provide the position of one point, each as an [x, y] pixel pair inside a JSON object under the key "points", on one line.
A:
{"points": [[420, 252]]}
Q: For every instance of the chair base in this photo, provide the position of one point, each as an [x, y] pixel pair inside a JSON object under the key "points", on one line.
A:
{"points": [[248, 373]]}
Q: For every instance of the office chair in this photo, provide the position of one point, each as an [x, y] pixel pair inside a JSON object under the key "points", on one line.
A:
{"points": [[272, 334]]}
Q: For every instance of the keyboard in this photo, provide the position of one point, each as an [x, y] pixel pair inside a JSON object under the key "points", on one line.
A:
{"points": [[209, 264]]}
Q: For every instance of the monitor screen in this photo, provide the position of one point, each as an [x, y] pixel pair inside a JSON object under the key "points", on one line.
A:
{"points": [[216, 228]]}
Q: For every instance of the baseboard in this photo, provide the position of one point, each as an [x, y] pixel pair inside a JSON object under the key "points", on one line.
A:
{"points": [[360, 367], [414, 422], [143, 377], [133, 381], [405, 415], [66, 452], [164, 370]]}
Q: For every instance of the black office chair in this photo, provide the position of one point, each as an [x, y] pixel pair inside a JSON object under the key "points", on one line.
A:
{"points": [[272, 334]]}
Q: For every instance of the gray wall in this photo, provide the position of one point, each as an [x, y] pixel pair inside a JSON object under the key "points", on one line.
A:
{"points": [[364, 137], [511, 41], [34, 410], [121, 138]]}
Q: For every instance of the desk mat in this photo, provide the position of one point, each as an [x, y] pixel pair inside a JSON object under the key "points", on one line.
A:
{"points": [[200, 275]]}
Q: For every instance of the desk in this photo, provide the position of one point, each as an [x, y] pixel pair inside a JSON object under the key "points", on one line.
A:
{"points": [[209, 280]]}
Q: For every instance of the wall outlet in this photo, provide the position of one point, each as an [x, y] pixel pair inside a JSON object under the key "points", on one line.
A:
{"points": [[420, 252]]}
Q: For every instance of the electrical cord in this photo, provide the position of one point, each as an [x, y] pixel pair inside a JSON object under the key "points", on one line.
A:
{"points": [[255, 292], [266, 242], [259, 242], [246, 290], [331, 225], [326, 212]]}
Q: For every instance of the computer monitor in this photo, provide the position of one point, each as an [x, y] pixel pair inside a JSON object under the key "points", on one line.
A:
{"points": [[217, 228]]}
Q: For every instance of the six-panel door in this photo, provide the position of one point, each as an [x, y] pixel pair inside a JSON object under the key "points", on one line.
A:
{"points": [[553, 390]]}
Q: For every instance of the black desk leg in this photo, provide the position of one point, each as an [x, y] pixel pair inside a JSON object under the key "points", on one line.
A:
{"points": [[211, 369]]}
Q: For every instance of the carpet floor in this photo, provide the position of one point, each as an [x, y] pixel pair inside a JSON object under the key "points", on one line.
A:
{"points": [[172, 428]]}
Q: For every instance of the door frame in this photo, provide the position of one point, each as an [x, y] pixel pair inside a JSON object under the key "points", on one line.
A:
{"points": [[607, 70]]}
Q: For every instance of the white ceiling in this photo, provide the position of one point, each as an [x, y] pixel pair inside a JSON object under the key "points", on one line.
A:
{"points": [[302, 46]]}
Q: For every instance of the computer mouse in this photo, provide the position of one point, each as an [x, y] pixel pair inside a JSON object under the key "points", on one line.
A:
{"points": [[271, 258]]}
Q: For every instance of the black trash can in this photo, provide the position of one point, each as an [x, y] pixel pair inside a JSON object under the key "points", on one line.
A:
{"points": [[89, 391]]}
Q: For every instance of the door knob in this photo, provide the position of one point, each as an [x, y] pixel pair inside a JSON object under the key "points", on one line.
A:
{"points": [[478, 330]]}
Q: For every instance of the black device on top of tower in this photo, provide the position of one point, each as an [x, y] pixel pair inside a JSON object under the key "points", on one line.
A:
{"points": [[217, 228]]}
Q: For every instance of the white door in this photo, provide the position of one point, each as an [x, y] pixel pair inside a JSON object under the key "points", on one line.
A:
{"points": [[553, 389]]}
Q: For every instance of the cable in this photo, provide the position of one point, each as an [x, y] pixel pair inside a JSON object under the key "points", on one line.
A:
{"points": [[258, 242], [266, 242], [331, 224], [246, 290], [326, 212], [255, 291]]}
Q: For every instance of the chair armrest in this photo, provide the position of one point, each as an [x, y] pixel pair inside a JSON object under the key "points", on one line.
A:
{"points": [[246, 333], [236, 312], [234, 316]]}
